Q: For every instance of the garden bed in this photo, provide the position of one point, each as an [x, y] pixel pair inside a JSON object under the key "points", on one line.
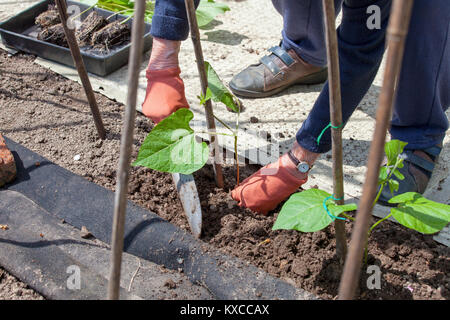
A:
{"points": [[44, 112]]}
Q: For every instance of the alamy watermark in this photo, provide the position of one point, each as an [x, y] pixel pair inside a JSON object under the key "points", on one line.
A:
{"points": [[374, 279], [74, 280], [374, 20]]}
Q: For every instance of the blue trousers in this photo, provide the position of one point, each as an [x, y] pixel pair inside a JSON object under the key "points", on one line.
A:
{"points": [[424, 86], [170, 20]]}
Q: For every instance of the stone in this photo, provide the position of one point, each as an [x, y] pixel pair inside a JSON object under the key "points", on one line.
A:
{"points": [[84, 233], [8, 168]]}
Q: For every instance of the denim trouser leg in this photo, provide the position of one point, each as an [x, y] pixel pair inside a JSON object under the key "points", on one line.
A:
{"points": [[170, 20], [303, 29], [424, 86], [360, 54]]}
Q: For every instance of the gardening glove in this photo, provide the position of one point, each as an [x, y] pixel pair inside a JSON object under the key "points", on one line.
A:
{"points": [[165, 88], [165, 94], [272, 184]]}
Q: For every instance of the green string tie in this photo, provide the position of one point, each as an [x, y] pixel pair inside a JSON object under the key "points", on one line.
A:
{"points": [[332, 216], [325, 129]]}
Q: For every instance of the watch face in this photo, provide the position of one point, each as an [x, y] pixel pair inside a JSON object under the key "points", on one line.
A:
{"points": [[303, 167]]}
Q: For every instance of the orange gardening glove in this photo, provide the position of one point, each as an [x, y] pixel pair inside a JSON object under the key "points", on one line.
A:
{"points": [[165, 94], [272, 184]]}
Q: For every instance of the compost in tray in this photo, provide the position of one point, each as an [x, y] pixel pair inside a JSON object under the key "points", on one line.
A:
{"points": [[95, 34]]}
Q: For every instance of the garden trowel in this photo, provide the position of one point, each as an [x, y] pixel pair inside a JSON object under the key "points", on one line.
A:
{"points": [[187, 192]]}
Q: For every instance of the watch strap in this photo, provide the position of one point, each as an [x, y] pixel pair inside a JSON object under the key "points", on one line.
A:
{"points": [[293, 158]]}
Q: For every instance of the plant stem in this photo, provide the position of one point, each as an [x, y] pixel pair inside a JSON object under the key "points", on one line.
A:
{"points": [[235, 144], [217, 133], [115, 13], [224, 124], [131, 16], [347, 216], [81, 13], [379, 194], [378, 222], [237, 160]]}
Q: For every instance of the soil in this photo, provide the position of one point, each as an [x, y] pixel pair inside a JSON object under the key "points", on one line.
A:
{"points": [[48, 18], [113, 34], [91, 24], [49, 114], [54, 34], [95, 34]]}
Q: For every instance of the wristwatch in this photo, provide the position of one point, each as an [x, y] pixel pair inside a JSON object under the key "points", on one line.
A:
{"points": [[302, 166]]}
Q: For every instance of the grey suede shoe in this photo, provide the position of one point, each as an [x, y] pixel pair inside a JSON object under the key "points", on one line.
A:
{"points": [[275, 73]]}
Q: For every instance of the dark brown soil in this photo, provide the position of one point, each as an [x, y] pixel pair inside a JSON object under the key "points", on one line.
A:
{"points": [[94, 35], [54, 34], [48, 18], [88, 27], [113, 34], [48, 114]]}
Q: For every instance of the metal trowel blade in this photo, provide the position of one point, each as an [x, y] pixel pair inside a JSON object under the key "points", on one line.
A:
{"points": [[187, 192]]}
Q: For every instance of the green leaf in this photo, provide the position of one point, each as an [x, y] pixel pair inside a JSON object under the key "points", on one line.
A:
{"points": [[393, 149], [88, 2], [219, 92], [304, 211], [171, 146], [417, 212], [383, 174], [205, 98], [208, 10], [399, 175], [393, 185]]}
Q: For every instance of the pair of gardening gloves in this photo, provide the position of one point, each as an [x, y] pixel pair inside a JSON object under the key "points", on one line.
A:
{"points": [[262, 191]]}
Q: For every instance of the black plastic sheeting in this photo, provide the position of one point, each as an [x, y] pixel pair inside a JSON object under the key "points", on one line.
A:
{"points": [[83, 203]]}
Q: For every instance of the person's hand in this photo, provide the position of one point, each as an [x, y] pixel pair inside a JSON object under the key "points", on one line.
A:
{"points": [[274, 183]]}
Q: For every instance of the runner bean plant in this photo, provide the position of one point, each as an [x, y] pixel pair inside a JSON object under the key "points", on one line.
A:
{"points": [[171, 146], [313, 210], [206, 11]]}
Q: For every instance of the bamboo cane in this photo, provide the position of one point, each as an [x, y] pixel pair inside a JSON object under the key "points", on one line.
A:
{"points": [[126, 144], [195, 35], [396, 36], [79, 64], [334, 84]]}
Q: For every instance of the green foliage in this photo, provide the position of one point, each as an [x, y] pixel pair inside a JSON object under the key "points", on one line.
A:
{"points": [[393, 149], [304, 211], [416, 212], [218, 91], [171, 146], [207, 10]]}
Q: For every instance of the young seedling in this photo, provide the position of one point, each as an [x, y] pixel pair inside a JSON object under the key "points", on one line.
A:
{"points": [[313, 210], [172, 147], [206, 11]]}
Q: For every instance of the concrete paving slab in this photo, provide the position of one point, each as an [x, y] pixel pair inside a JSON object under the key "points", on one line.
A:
{"points": [[238, 40]]}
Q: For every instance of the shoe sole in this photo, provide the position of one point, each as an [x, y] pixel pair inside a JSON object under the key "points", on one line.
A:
{"points": [[315, 78]]}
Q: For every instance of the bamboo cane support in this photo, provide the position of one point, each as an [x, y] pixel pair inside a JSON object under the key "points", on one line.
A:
{"points": [[79, 64], [396, 37], [126, 144], [195, 35]]}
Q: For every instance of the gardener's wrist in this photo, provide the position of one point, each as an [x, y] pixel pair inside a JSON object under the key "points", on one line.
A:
{"points": [[301, 155], [164, 54]]}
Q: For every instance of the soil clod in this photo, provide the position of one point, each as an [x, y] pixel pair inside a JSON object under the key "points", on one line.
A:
{"points": [[89, 26]]}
